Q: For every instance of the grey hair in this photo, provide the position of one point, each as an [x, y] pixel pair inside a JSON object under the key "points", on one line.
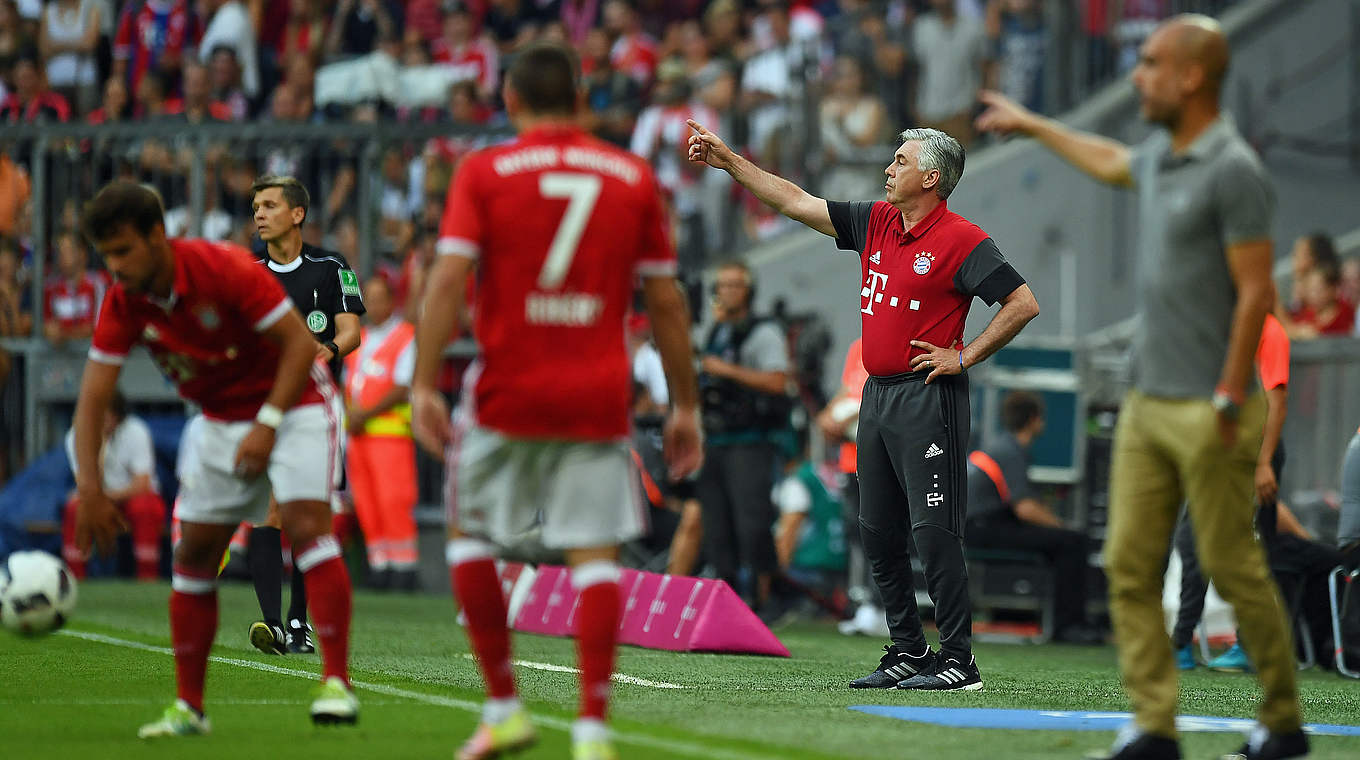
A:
{"points": [[938, 151]]}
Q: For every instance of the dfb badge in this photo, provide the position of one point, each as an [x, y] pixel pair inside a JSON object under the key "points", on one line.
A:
{"points": [[317, 321], [207, 316]]}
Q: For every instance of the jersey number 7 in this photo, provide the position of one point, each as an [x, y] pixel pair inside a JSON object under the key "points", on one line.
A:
{"points": [[581, 192]]}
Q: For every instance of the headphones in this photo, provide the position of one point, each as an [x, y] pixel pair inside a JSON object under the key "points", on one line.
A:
{"points": [[750, 281]]}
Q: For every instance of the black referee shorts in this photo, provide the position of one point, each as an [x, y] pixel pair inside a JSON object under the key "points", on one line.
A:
{"points": [[913, 447]]}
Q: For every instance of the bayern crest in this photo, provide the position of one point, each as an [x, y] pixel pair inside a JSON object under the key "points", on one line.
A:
{"points": [[922, 263]]}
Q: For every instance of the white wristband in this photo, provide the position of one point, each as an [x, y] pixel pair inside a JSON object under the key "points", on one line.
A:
{"points": [[270, 416]]}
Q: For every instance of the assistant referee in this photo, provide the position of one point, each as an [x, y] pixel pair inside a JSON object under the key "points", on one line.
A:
{"points": [[921, 265]]}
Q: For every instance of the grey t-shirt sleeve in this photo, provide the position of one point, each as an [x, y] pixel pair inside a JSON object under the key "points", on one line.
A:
{"points": [[765, 349], [1245, 199], [1144, 156], [1011, 459], [851, 220], [985, 273]]}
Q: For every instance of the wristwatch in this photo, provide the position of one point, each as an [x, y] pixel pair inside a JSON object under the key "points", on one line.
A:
{"points": [[335, 350], [1225, 405]]}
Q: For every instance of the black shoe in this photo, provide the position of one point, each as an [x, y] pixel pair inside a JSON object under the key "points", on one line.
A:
{"points": [[946, 675], [299, 637], [893, 667], [1264, 745], [1136, 745], [268, 637]]}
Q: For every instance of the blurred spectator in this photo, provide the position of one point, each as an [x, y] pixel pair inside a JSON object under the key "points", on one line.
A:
{"points": [[16, 312], [1016, 31], [512, 23], [723, 26], [225, 75], [69, 40], [661, 137], [217, 224], [229, 26], [768, 83], [634, 51], [1308, 251], [304, 32], [115, 106], [1350, 280], [149, 97], [73, 293], [950, 50], [358, 25], [13, 194], [891, 68], [425, 17], [12, 41], [31, 100], [467, 51], [154, 34], [612, 96], [1135, 21], [1323, 312], [197, 105], [1096, 25], [851, 121], [579, 17]]}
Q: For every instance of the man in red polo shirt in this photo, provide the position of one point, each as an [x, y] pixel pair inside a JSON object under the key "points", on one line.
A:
{"points": [[921, 265], [221, 328]]}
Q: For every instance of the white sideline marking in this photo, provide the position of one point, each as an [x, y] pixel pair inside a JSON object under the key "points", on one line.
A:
{"points": [[617, 677], [670, 745]]}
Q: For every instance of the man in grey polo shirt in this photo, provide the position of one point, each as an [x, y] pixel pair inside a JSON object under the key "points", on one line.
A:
{"points": [[1191, 427]]}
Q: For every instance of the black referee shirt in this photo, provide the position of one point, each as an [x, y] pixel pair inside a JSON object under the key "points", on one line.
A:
{"points": [[321, 285]]}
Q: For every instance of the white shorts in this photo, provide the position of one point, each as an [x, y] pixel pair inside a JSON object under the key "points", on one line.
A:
{"points": [[300, 468], [582, 494]]}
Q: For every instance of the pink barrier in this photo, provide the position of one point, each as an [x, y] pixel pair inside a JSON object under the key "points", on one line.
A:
{"points": [[675, 613]]}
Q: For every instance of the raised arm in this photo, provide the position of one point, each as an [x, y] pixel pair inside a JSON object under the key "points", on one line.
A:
{"points": [[1104, 159], [774, 191]]}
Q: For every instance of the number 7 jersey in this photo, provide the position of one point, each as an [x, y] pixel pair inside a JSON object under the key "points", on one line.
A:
{"points": [[560, 225]]}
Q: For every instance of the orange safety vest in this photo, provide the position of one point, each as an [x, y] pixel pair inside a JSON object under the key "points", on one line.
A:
{"points": [[367, 382]]}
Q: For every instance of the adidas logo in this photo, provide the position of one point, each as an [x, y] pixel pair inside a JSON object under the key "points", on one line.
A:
{"points": [[876, 257], [933, 451]]}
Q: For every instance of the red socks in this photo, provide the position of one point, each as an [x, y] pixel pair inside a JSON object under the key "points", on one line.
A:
{"points": [[193, 624], [329, 599], [478, 589], [597, 625]]}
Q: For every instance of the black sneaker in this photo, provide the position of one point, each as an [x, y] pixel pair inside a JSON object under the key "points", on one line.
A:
{"points": [[945, 675], [299, 637], [1132, 744], [268, 638], [893, 667], [1264, 745]]}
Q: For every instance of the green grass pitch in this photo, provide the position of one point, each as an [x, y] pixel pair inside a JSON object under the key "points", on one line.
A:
{"points": [[83, 693]]}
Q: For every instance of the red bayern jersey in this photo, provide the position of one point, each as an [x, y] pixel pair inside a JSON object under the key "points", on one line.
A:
{"points": [[560, 225], [151, 30], [917, 283], [207, 337]]}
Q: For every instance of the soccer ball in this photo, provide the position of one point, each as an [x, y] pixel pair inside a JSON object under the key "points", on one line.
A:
{"points": [[37, 593]]}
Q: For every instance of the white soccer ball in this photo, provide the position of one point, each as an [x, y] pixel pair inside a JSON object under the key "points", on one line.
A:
{"points": [[37, 593]]}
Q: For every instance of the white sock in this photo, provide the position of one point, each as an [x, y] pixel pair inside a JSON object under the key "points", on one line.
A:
{"points": [[589, 730], [498, 710]]}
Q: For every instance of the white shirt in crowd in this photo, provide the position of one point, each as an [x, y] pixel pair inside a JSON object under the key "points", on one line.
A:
{"points": [[648, 371], [230, 28], [127, 454]]}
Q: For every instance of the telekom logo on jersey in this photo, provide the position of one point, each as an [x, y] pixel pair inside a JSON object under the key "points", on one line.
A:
{"points": [[873, 291]]}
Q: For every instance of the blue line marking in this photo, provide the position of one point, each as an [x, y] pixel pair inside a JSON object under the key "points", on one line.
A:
{"points": [[1060, 720]]}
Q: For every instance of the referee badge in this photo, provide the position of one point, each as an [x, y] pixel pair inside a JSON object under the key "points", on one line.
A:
{"points": [[317, 321], [207, 316], [922, 263]]}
